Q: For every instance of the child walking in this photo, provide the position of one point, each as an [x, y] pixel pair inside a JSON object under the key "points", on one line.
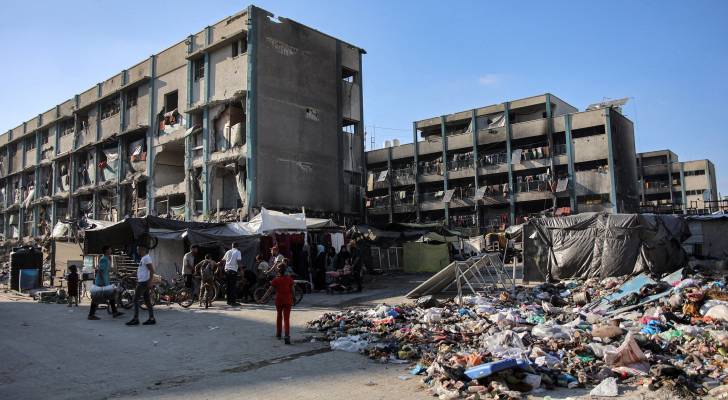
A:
{"points": [[72, 280], [283, 285]]}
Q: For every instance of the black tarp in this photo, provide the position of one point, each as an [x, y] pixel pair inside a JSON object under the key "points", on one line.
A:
{"points": [[132, 231], [602, 245]]}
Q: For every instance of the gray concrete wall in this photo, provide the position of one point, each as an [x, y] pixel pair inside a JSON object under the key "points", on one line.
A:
{"points": [[628, 191], [297, 123]]}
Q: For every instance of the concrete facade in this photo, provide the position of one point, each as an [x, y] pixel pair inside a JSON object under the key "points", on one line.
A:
{"points": [[490, 167], [669, 185], [252, 111]]}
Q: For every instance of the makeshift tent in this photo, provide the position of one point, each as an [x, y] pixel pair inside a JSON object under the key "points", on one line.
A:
{"points": [[708, 236], [424, 257], [602, 245]]}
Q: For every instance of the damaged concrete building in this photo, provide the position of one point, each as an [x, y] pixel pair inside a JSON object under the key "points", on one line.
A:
{"points": [[487, 168], [252, 111], [671, 186]]}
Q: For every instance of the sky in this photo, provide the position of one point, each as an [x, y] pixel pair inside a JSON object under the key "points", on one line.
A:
{"points": [[424, 58]]}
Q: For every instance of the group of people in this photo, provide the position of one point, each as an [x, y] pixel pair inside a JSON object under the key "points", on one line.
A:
{"points": [[201, 276], [346, 261]]}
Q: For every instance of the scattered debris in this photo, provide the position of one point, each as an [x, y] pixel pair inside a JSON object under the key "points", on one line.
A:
{"points": [[534, 339]]}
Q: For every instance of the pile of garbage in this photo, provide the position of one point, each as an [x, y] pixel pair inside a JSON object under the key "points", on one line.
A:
{"points": [[666, 334]]}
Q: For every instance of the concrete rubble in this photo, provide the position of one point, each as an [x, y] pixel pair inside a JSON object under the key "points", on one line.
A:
{"points": [[651, 333]]}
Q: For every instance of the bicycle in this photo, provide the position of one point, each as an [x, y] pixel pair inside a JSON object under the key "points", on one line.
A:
{"points": [[175, 293]]}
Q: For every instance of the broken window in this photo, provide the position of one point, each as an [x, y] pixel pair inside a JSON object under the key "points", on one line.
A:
{"points": [[108, 163], [67, 127], [229, 127], [239, 47], [110, 108], [44, 136], [131, 98], [64, 179], [170, 101], [349, 126], [29, 143], [348, 75], [198, 66]]}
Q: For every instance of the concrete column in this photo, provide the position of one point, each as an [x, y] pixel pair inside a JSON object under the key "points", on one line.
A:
{"points": [[120, 172], [36, 176], [682, 188], [360, 129], [641, 172], [550, 138], [389, 184], [251, 116], [509, 156], [474, 128], [189, 193], [150, 135], [610, 160], [570, 156], [415, 151], [444, 161], [206, 186]]}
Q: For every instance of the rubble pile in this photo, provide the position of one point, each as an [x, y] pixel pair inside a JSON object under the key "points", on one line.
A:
{"points": [[667, 334]]}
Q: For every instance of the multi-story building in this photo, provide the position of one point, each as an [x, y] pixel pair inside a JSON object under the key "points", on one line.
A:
{"points": [[251, 111], [672, 186], [488, 167]]}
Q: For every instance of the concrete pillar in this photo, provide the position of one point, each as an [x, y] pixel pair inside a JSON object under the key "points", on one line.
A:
{"points": [[570, 156], [610, 160], [641, 172], [206, 187], [189, 193], [251, 116], [416, 159], [474, 129], [669, 178], [389, 184], [445, 172], [150, 134], [550, 138], [682, 188], [509, 156]]}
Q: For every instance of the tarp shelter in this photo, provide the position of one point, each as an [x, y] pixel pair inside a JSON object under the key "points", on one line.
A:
{"points": [[602, 245], [708, 236], [424, 257]]}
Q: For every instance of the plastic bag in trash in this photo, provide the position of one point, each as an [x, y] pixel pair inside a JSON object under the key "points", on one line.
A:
{"points": [[432, 315], [351, 344], [627, 354], [607, 388], [551, 331]]}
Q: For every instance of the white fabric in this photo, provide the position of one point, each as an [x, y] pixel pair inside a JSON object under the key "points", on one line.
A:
{"points": [[337, 240], [269, 221], [232, 257], [143, 270]]}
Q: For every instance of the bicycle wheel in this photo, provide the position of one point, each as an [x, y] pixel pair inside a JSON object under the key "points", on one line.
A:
{"points": [[126, 299], [153, 298], [185, 298], [297, 294], [259, 293]]}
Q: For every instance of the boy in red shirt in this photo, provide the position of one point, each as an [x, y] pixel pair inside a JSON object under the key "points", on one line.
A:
{"points": [[283, 285]]}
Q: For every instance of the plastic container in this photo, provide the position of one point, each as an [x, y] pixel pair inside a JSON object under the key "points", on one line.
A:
{"points": [[490, 368], [26, 257]]}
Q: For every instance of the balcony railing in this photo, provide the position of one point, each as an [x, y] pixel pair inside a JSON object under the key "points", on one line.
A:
{"points": [[432, 196], [559, 149], [432, 168], [379, 202], [403, 176], [532, 186], [487, 160]]}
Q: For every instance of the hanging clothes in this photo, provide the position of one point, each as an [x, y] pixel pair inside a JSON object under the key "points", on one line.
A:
{"points": [[337, 240]]}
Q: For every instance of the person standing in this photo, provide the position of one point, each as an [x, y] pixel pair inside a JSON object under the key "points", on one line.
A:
{"points": [[355, 256], [188, 266], [145, 275], [102, 280], [233, 261], [207, 279], [72, 280], [283, 286]]}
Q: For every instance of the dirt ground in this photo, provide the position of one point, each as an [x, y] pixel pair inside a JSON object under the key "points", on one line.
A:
{"points": [[52, 351]]}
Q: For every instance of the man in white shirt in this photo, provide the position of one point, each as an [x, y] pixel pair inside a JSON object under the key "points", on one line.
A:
{"points": [[233, 263], [188, 265], [145, 273]]}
